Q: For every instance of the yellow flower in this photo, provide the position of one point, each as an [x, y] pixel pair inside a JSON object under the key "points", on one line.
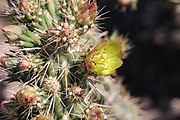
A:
{"points": [[105, 58]]}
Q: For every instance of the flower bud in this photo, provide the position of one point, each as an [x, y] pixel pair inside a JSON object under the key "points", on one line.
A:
{"points": [[87, 13], [96, 114], [64, 32], [25, 63], [104, 59], [27, 96], [40, 117], [12, 32]]}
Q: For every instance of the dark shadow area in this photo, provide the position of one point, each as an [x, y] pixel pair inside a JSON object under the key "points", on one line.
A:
{"points": [[2, 85], [153, 67], [177, 118]]}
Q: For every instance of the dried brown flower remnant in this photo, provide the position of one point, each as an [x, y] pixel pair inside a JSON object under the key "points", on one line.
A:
{"points": [[96, 113], [27, 96], [87, 13]]}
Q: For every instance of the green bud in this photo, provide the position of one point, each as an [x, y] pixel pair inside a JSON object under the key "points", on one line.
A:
{"points": [[25, 63], [51, 8], [26, 44], [43, 22], [33, 38], [37, 25], [48, 19], [24, 37]]}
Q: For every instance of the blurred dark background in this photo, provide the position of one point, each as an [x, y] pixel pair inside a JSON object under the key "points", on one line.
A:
{"points": [[152, 70]]}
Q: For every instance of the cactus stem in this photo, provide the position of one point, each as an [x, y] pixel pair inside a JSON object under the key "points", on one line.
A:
{"points": [[37, 25], [59, 98], [51, 8], [26, 44], [48, 19], [64, 75]]}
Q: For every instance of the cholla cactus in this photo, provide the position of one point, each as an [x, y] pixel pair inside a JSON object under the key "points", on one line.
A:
{"points": [[63, 63]]}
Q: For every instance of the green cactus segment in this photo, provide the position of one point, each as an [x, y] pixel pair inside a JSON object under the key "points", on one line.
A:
{"points": [[104, 59], [51, 8], [26, 44], [48, 19], [43, 21], [21, 34], [37, 26], [29, 36], [24, 37], [58, 108], [43, 16]]}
